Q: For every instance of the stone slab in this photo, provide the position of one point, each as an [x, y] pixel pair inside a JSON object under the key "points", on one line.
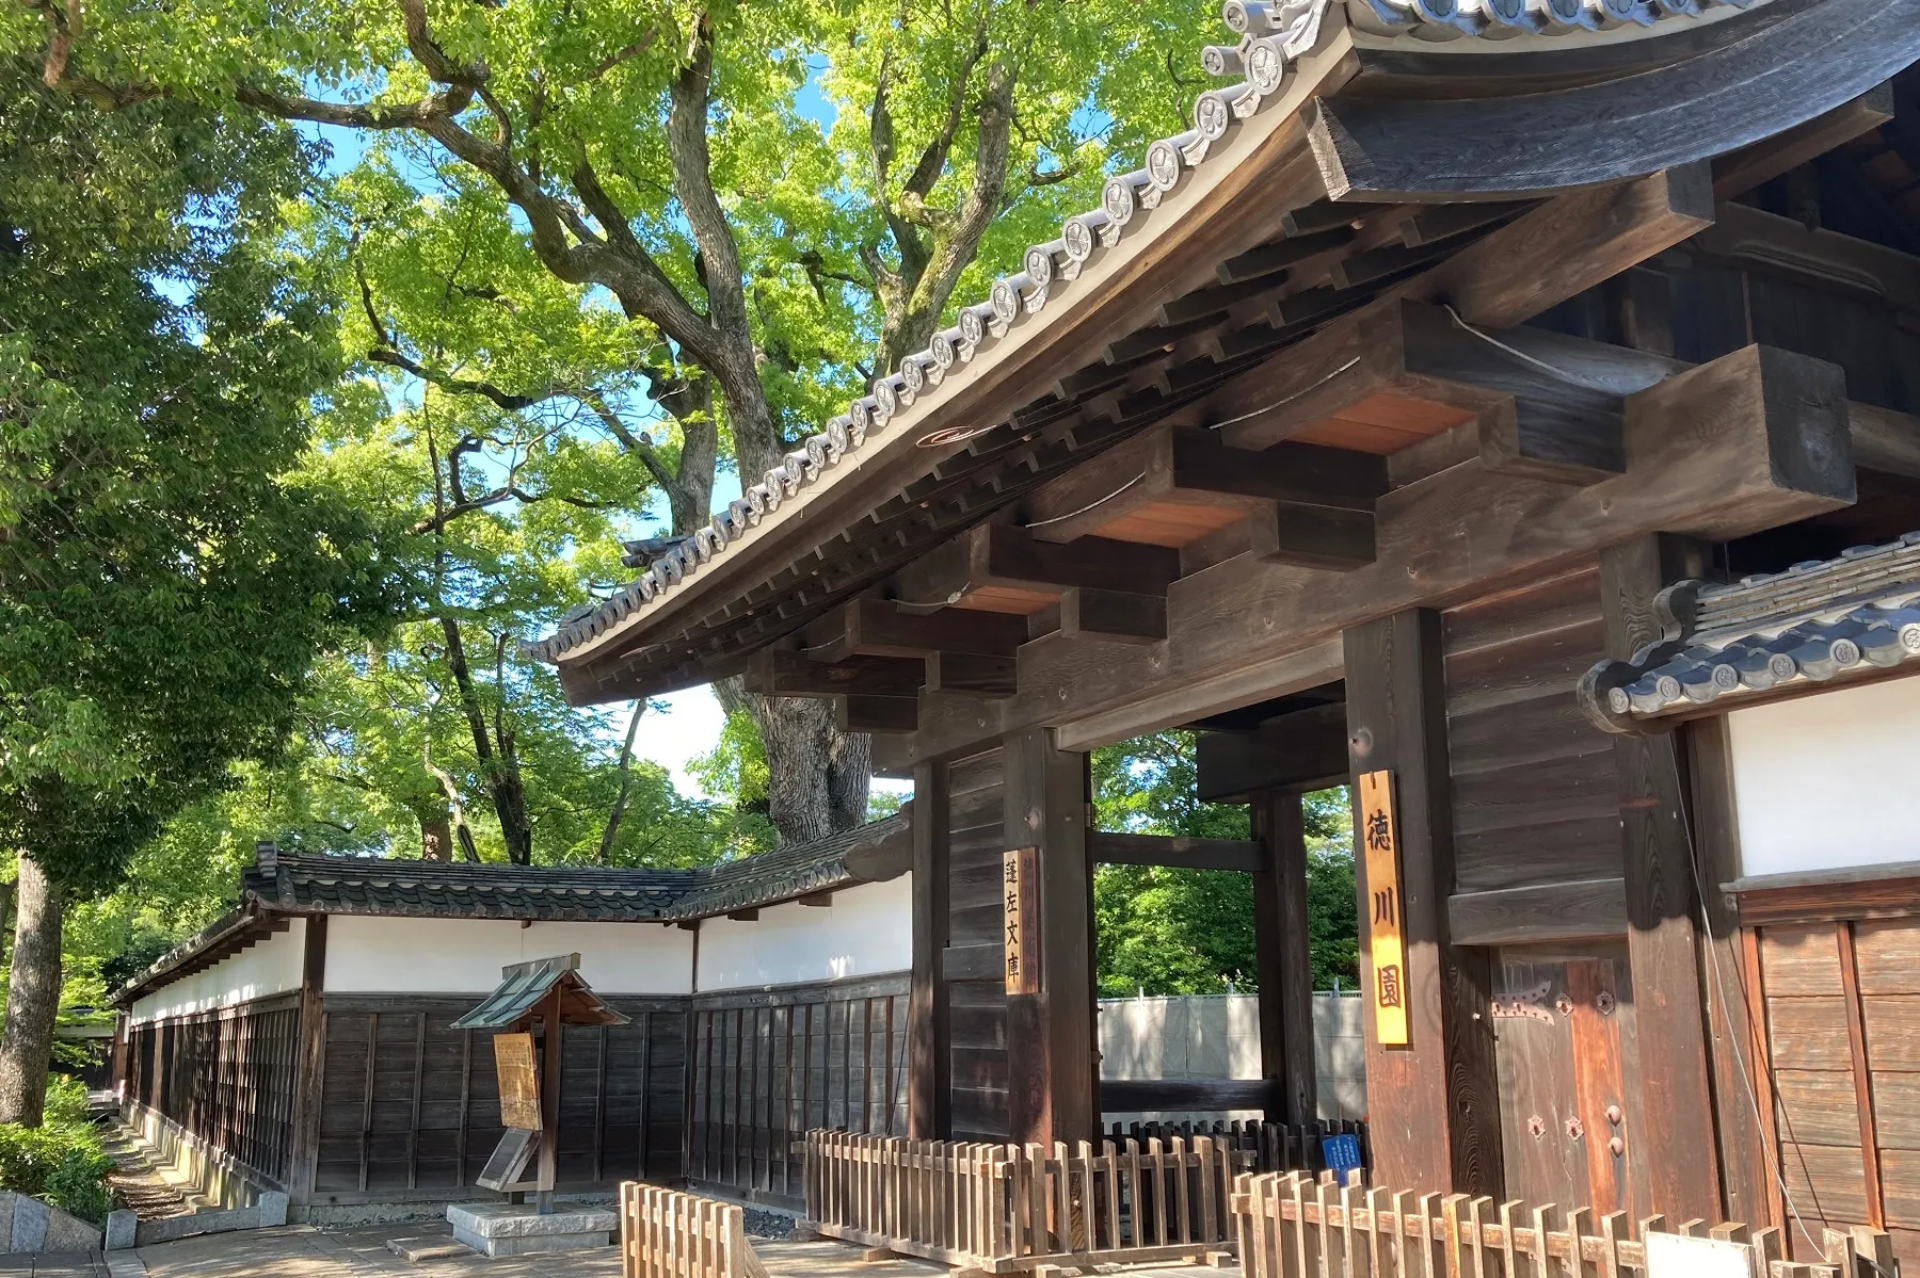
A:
{"points": [[527, 1244], [522, 1220], [122, 1225], [30, 1217], [437, 1247], [67, 1232]]}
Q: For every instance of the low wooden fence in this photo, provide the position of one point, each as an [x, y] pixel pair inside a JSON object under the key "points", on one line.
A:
{"points": [[1002, 1208], [1259, 1146], [1293, 1226], [668, 1234]]}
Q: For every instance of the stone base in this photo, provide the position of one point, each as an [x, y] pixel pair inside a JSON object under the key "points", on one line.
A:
{"points": [[516, 1229]]}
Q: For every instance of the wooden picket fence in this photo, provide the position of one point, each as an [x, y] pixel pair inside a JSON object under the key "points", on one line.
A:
{"points": [[1002, 1208], [1290, 1225], [1259, 1146], [667, 1234]]}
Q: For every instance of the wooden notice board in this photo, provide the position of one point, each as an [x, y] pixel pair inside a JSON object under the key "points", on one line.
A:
{"points": [[1386, 941], [1020, 928], [519, 1085]]}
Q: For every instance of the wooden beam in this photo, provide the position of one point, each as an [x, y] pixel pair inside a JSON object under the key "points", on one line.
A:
{"points": [[1311, 537], [818, 900], [859, 713], [778, 672], [1241, 856], [1548, 406], [1743, 170], [309, 1063], [1753, 440], [1675, 1093], [1303, 750], [1008, 557], [1746, 1149], [1283, 958], [1112, 617], [743, 916], [1191, 467], [1051, 1059], [1568, 245], [1433, 1105], [876, 628], [974, 675], [1551, 912], [1196, 1095]]}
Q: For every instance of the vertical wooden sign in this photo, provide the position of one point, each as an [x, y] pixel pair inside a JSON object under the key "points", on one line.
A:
{"points": [[519, 1088], [1386, 941], [1019, 928]]}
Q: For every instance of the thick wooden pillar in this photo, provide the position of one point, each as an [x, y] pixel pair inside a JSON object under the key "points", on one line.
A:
{"points": [[1051, 1056], [1675, 1105], [1432, 1104], [1283, 956], [929, 1042], [309, 1067]]}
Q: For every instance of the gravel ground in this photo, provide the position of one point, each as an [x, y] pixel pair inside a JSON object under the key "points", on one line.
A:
{"points": [[768, 1224]]}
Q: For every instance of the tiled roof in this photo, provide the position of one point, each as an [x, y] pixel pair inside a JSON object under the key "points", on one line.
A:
{"points": [[1267, 39], [555, 893], [525, 984], [280, 883], [1730, 645]]}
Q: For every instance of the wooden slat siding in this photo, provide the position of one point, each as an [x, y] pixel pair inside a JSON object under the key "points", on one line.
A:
{"points": [[976, 1057], [1674, 1094], [1862, 1078], [457, 1101], [804, 1056], [1434, 1104], [1290, 1227], [1533, 781]]}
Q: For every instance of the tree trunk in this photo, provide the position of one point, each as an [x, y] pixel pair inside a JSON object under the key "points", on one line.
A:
{"points": [[33, 999], [502, 771], [817, 776], [436, 838], [620, 799]]}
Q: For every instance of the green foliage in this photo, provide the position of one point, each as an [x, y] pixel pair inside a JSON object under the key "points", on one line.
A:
{"points": [[62, 1161], [165, 580], [1173, 931]]}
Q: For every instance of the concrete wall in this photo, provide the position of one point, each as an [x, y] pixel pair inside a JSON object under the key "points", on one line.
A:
{"points": [[867, 930], [1218, 1036], [464, 956], [270, 967], [1825, 781]]}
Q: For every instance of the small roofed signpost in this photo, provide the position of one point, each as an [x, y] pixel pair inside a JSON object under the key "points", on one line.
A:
{"points": [[541, 996]]}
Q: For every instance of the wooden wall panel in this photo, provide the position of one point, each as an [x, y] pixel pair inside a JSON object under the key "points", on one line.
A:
{"points": [[1534, 784], [768, 1065], [978, 1009], [410, 1106], [227, 1076]]}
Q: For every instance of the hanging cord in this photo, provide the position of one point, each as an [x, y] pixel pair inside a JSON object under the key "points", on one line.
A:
{"points": [[1282, 403], [1042, 523], [1561, 374], [1774, 1164]]}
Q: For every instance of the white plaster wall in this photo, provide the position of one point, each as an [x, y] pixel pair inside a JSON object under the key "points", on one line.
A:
{"points": [[867, 930], [268, 968], [464, 956], [1828, 780]]}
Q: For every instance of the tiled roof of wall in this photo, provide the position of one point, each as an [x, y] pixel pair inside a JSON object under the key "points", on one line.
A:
{"points": [[1729, 645]]}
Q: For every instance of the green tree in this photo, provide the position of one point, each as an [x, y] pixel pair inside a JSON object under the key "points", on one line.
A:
{"points": [[655, 236], [1174, 931], [164, 583]]}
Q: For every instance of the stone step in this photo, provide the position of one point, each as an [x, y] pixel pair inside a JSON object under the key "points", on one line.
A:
{"points": [[517, 1229], [435, 1247]]}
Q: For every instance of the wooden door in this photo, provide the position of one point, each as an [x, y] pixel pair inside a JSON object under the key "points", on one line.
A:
{"points": [[1563, 1029]]}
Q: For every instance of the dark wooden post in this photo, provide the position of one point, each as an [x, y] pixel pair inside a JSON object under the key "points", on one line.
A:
{"points": [[550, 1069], [1675, 1108], [1052, 1066], [929, 1045], [1283, 956], [1433, 1104], [309, 1070]]}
